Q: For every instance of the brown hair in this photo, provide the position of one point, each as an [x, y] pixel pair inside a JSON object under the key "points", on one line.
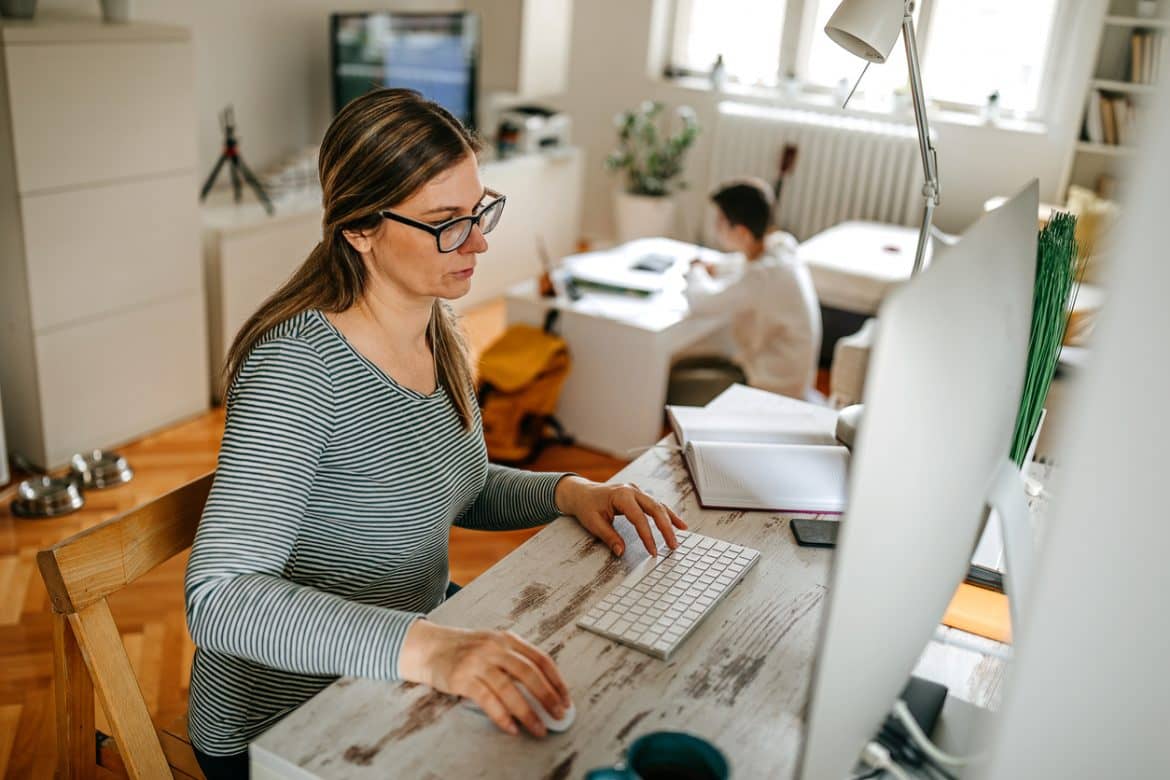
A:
{"points": [[746, 202], [378, 151]]}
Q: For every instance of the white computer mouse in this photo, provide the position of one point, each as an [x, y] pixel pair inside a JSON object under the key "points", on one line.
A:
{"points": [[550, 723]]}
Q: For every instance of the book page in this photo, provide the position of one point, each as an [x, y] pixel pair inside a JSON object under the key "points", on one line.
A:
{"points": [[781, 477], [698, 424], [741, 399]]}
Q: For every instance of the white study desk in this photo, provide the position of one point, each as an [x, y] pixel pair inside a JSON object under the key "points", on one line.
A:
{"points": [[740, 680], [622, 346]]}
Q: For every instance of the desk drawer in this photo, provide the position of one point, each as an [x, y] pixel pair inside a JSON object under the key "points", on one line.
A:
{"points": [[99, 250], [84, 113]]}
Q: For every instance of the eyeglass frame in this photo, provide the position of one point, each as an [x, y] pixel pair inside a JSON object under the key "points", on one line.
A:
{"points": [[437, 230]]}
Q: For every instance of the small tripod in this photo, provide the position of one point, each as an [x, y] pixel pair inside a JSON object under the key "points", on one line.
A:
{"points": [[227, 121]]}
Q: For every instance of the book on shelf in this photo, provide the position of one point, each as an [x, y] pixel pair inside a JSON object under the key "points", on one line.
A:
{"points": [[784, 461], [1094, 131], [1110, 120], [1145, 55], [1158, 57], [1136, 69], [1121, 120], [1108, 125]]}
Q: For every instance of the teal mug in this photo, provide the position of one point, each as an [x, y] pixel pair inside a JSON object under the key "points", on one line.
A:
{"points": [[667, 755]]}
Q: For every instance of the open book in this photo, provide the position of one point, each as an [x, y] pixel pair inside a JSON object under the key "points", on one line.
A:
{"points": [[780, 461]]}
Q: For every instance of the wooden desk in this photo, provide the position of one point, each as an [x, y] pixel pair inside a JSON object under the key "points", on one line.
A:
{"points": [[741, 680]]}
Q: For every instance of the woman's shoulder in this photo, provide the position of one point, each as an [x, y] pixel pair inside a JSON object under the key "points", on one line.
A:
{"points": [[294, 351]]}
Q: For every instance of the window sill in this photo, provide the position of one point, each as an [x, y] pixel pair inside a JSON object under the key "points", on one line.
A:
{"points": [[825, 102]]}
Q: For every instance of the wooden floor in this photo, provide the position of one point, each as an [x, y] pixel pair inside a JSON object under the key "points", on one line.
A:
{"points": [[150, 613]]}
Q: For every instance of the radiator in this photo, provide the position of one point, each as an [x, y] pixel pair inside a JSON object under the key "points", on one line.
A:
{"points": [[847, 168]]}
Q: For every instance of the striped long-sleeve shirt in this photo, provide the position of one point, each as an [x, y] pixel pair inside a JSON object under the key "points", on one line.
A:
{"points": [[325, 533]]}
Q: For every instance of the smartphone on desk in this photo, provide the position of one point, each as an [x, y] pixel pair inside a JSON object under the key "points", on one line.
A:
{"points": [[814, 532]]}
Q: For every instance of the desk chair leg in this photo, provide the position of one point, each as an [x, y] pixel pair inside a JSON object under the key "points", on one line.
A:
{"points": [[73, 692], [109, 668]]}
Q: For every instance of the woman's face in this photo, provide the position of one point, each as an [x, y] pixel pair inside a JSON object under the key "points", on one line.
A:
{"points": [[408, 258]]}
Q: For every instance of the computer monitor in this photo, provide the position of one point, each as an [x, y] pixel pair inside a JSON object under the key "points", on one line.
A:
{"points": [[942, 395], [435, 54]]}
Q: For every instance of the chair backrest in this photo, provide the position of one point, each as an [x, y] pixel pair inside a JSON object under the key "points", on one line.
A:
{"points": [[79, 573]]}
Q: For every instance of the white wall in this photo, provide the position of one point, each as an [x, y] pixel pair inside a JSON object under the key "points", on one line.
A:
{"points": [[610, 70], [269, 58]]}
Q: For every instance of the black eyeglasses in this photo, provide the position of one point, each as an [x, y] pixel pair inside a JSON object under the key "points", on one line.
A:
{"points": [[451, 235]]}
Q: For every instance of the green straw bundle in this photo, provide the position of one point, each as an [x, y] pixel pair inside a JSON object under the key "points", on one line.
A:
{"points": [[1056, 254]]}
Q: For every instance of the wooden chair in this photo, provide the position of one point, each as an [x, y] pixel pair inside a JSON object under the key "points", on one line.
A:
{"points": [[88, 653]]}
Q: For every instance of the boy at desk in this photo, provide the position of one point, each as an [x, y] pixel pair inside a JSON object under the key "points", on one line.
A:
{"points": [[777, 322]]}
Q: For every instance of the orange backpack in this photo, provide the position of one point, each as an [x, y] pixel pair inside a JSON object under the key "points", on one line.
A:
{"points": [[520, 379]]}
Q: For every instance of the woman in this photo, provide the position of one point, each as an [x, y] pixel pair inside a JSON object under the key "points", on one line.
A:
{"points": [[353, 443]]}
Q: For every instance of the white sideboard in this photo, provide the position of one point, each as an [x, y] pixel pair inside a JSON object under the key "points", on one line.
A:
{"points": [[248, 254], [100, 289]]}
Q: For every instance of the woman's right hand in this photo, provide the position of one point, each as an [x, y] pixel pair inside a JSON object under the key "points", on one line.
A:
{"points": [[485, 666]]}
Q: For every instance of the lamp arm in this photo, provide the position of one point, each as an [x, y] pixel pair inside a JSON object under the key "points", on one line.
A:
{"points": [[930, 187]]}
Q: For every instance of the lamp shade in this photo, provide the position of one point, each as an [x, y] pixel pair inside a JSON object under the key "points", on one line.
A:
{"points": [[867, 28]]}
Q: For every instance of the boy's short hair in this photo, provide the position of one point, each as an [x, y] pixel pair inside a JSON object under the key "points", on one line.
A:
{"points": [[746, 202]]}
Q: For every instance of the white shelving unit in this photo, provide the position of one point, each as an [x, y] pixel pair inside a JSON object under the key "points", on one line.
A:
{"points": [[100, 285], [1112, 77]]}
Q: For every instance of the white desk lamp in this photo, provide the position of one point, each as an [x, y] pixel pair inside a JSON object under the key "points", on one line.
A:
{"points": [[868, 29]]}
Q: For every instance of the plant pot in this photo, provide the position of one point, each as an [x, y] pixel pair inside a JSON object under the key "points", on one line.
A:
{"points": [[18, 9], [643, 216]]}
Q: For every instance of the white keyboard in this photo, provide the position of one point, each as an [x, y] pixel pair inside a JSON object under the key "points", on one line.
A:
{"points": [[662, 600]]}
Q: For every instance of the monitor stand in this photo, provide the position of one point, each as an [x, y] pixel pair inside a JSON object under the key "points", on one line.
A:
{"points": [[955, 726]]}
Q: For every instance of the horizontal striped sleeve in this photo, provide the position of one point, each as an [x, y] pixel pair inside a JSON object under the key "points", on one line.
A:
{"points": [[513, 499], [239, 600]]}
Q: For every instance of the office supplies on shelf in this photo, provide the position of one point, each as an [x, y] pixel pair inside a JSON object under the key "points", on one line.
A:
{"points": [[782, 462], [664, 598]]}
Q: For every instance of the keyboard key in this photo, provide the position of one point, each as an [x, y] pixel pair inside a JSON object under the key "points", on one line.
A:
{"points": [[606, 621]]}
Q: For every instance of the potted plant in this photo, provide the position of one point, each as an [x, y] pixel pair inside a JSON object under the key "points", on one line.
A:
{"points": [[651, 160]]}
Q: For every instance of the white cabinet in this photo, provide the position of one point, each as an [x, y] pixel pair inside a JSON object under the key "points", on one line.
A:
{"points": [[524, 49], [100, 285], [248, 254]]}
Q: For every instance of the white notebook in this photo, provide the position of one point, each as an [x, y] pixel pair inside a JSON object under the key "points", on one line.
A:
{"points": [[778, 461]]}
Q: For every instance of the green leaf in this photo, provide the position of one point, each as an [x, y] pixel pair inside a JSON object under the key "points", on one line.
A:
{"points": [[652, 157]]}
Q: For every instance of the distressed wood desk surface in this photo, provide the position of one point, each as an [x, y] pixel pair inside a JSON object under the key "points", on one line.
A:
{"points": [[740, 680]]}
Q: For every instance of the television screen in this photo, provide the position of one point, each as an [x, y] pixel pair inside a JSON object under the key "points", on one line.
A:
{"points": [[434, 54]]}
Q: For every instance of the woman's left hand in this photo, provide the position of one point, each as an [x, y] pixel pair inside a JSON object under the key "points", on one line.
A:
{"points": [[595, 505]]}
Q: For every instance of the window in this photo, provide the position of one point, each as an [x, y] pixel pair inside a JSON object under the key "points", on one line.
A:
{"points": [[827, 63], [1009, 42], [743, 32], [968, 48]]}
